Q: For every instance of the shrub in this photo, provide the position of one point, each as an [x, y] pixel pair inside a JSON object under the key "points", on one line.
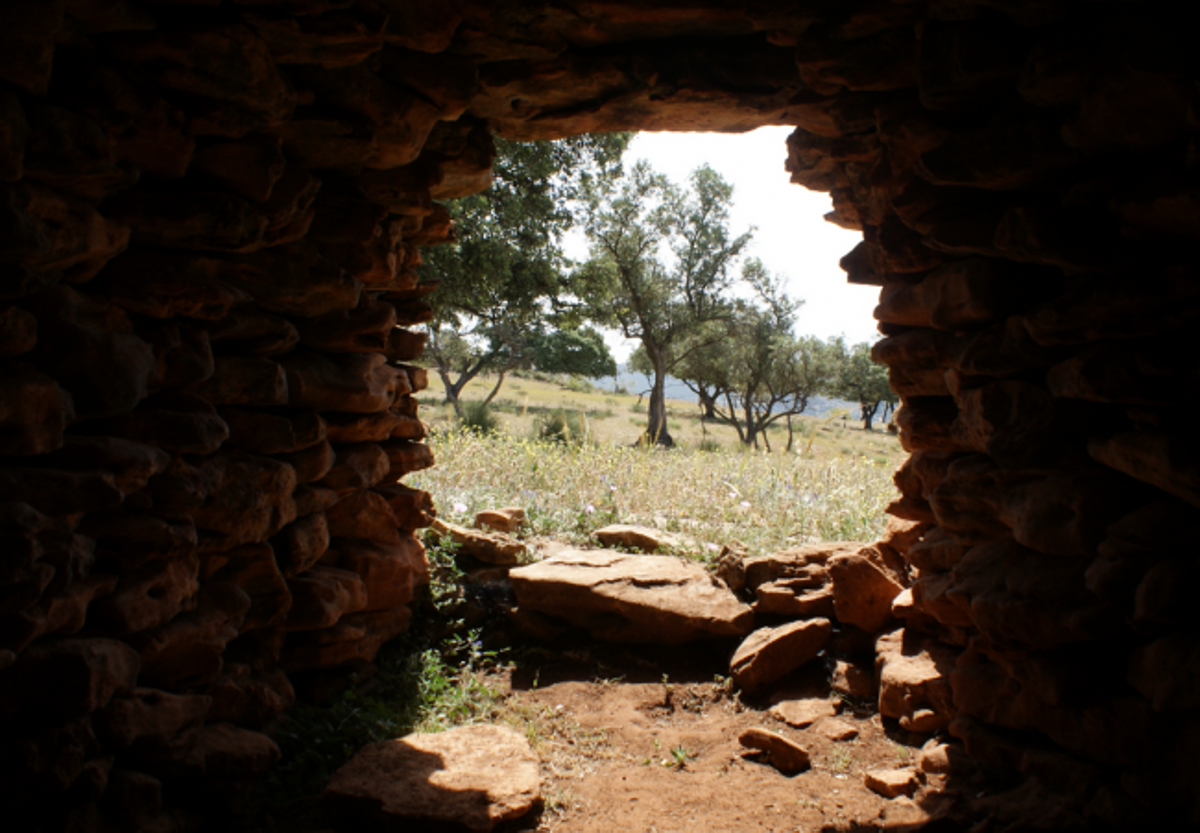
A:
{"points": [[637, 407], [562, 426], [578, 384], [477, 416], [709, 446]]}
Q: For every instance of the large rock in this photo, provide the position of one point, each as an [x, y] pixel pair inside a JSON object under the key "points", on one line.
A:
{"points": [[914, 681], [490, 547], [769, 653], [473, 777], [863, 589], [631, 598]]}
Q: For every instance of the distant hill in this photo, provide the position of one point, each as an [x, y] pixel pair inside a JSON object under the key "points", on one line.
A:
{"points": [[636, 383]]}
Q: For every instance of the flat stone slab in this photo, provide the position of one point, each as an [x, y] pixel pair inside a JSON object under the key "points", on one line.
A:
{"points": [[475, 777], [644, 538], [785, 755], [770, 653], [800, 713], [620, 597]]}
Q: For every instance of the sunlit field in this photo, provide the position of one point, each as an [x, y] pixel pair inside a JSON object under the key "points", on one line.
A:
{"points": [[764, 502]]}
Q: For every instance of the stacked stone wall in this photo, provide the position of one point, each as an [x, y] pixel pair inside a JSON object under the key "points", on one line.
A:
{"points": [[212, 221]]}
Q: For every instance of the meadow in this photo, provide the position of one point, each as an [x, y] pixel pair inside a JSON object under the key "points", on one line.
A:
{"points": [[834, 485]]}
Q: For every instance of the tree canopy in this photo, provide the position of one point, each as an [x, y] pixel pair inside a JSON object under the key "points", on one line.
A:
{"points": [[662, 263], [859, 379], [505, 282]]}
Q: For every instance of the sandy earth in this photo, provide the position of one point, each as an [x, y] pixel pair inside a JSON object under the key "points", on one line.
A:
{"points": [[646, 740]]}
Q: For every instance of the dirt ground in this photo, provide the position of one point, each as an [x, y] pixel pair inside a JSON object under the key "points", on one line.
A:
{"points": [[646, 739]]}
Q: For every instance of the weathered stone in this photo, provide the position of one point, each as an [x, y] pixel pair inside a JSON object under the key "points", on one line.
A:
{"points": [[226, 67], [803, 566], [406, 457], [785, 755], [247, 380], [364, 329], [360, 383], [300, 544], [186, 651], [413, 508], [891, 783], [225, 751], [484, 775], [390, 573], [253, 569], [149, 595], [249, 699], [791, 597], [312, 463], [353, 641], [357, 467], [323, 595], [62, 678], [801, 713], [1163, 460], [853, 680], [150, 724], [246, 498], [364, 514], [770, 653], [863, 589], [34, 410], [914, 681], [90, 349], [489, 547], [634, 537], [506, 520], [631, 598]]}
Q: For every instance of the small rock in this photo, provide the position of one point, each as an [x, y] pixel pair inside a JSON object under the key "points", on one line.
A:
{"points": [[489, 547], [890, 783], [507, 520], [731, 568], [769, 653], [643, 538], [835, 729], [474, 777], [785, 755], [853, 680], [783, 598], [934, 757], [800, 713], [863, 589]]}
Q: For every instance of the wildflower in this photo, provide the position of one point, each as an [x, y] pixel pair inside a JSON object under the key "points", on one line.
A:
{"points": [[745, 504], [711, 547], [459, 507], [589, 509]]}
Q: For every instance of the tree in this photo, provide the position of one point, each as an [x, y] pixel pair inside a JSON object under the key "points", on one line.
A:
{"points": [[761, 372], [859, 379], [666, 306], [504, 280]]}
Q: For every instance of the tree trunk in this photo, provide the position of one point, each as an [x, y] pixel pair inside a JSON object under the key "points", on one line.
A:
{"points": [[868, 414], [496, 389], [656, 429], [708, 404], [789, 424]]}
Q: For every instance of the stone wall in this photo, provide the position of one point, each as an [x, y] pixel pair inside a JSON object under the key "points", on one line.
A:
{"points": [[212, 214]]}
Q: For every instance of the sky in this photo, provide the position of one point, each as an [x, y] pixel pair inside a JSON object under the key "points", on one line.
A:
{"points": [[791, 238]]}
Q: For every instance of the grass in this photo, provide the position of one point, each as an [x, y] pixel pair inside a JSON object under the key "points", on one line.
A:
{"points": [[765, 502], [619, 418]]}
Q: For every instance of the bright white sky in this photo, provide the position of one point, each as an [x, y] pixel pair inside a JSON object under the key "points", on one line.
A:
{"points": [[791, 238]]}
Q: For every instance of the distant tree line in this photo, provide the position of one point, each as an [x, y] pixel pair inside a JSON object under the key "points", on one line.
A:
{"points": [[663, 269]]}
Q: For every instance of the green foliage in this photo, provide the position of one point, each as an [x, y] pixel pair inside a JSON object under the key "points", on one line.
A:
{"points": [[562, 426], [420, 685], [478, 416], [792, 499], [579, 352], [662, 262], [503, 279], [859, 379]]}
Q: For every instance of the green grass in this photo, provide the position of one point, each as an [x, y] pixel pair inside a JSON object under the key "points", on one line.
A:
{"points": [[764, 501]]}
